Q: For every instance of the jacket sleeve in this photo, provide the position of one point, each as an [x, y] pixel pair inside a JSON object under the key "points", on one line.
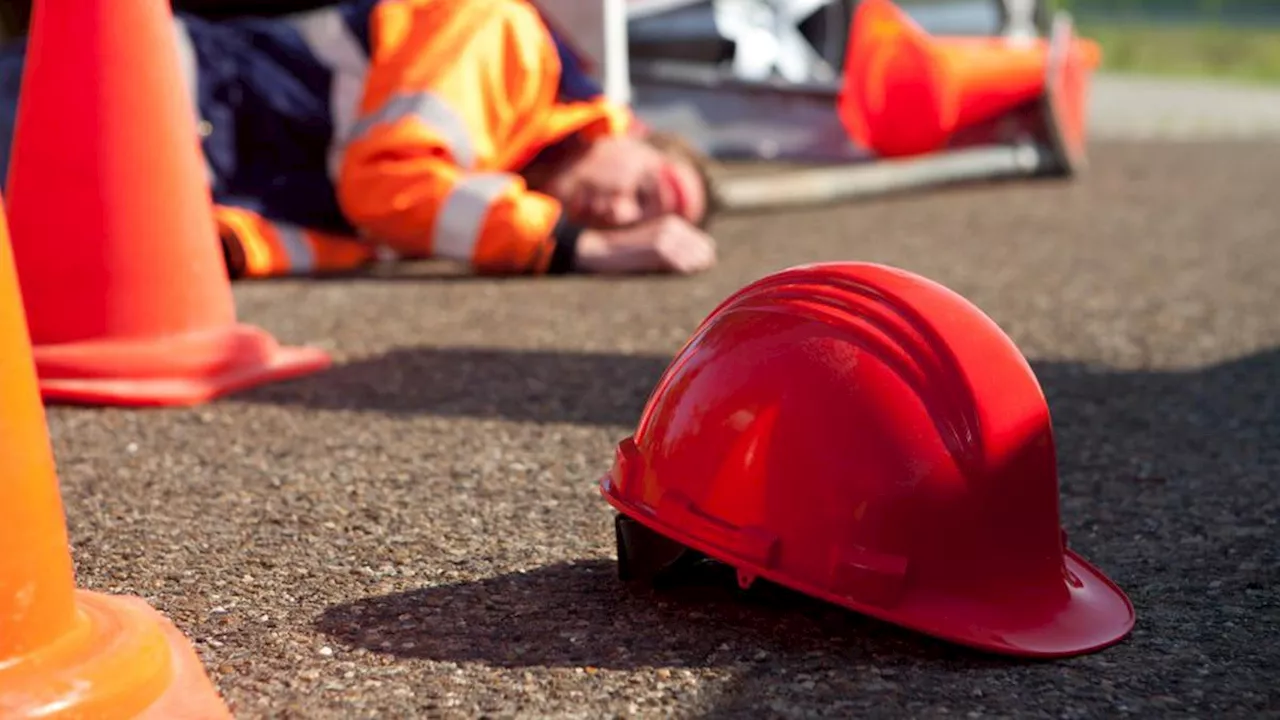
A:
{"points": [[451, 83]]}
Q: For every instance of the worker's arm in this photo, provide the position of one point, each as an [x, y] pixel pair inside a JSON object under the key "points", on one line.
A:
{"points": [[453, 82]]}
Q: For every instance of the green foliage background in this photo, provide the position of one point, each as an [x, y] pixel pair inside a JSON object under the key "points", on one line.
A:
{"points": [[1229, 39]]}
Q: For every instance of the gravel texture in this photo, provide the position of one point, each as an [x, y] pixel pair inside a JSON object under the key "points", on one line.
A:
{"points": [[418, 533]]}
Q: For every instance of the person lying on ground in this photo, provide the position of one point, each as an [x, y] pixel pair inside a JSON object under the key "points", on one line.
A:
{"points": [[457, 129]]}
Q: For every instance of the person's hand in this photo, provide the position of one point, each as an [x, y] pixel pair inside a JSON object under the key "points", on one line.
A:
{"points": [[667, 244]]}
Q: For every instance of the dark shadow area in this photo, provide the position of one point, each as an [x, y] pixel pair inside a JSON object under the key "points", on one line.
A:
{"points": [[520, 385], [401, 271], [580, 614], [444, 271], [1170, 483]]}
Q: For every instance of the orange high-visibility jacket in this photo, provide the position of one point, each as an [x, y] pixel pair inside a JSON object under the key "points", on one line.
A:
{"points": [[430, 109]]}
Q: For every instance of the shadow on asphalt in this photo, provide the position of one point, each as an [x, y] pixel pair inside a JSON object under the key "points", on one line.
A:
{"points": [[444, 271], [519, 385], [1139, 409], [1168, 483], [414, 271], [580, 614]]}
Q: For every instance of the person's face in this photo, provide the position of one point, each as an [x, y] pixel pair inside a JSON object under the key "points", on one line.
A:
{"points": [[617, 182]]}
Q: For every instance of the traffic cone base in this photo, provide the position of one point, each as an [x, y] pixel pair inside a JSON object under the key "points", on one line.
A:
{"points": [[1066, 93], [190, 694], [68, 653], [120, 659], [176, 370]]}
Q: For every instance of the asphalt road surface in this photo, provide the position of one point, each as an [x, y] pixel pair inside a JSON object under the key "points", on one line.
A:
{"points": [[418, 533]]}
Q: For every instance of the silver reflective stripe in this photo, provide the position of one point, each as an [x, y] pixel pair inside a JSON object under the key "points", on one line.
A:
{"points": [[348, 91], [460, 221], [301, 258], [188, 65], [431, 110], [330, 39]]}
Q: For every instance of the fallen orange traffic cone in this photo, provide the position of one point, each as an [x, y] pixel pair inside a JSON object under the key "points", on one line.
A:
{"points": [[906, 92], [67, 653], [113, 231]]}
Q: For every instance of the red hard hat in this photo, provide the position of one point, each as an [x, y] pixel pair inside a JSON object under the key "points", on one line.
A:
{"points": [[866, 436]]}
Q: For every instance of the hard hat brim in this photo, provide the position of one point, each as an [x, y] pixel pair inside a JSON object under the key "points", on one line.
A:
{"points": [[1096, 613]]}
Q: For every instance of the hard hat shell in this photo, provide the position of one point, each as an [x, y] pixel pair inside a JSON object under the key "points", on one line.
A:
{"points": [[868, 437]]}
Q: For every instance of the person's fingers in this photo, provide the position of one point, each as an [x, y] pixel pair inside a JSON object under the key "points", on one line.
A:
{"points": [[692, 255], [704, 250], [668, 244], [693, 260], [709, 240]]}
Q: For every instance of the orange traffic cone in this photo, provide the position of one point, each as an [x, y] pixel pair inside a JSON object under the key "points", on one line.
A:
{"points": [[906, 92], [67, 653], [114, 236]]}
